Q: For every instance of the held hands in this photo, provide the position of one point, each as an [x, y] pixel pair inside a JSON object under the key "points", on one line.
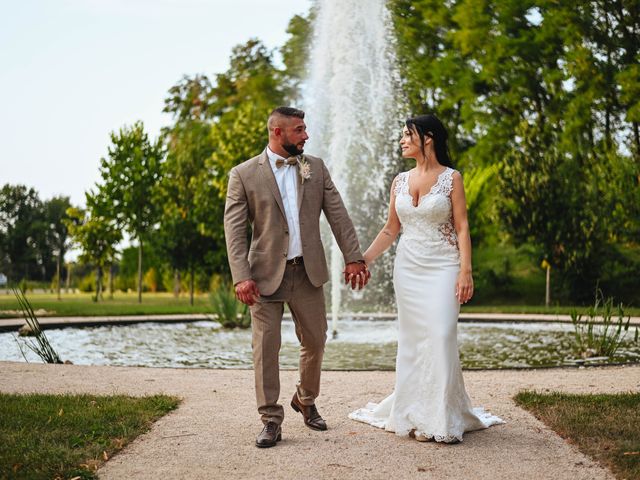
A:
{"points": [[357, 274], [247, 292], [464, 287]]}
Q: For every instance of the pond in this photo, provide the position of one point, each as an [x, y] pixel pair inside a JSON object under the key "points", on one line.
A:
{"points": [[360, 345]]}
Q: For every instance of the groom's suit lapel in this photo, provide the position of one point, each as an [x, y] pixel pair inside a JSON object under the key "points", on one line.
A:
{"points": [[269, 178]]}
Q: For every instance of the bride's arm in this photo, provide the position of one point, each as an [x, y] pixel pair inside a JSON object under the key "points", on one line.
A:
{"points": [[388, 234], [464, 285]]}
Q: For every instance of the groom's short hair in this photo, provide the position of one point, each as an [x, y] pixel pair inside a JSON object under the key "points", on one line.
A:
{"points": [[283, 112]]}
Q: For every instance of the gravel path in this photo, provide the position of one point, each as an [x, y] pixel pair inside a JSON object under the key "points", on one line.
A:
{"points": [[211, 435]]}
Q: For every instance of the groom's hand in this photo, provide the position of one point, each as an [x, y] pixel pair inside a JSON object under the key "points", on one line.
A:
{"points": [[247, 292], [357, 274]]}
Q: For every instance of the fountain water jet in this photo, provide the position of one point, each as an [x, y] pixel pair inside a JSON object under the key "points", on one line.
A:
{"points": [[350, 96]]}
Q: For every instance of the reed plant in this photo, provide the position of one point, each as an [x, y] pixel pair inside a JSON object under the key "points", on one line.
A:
{"points": [[40, 343], [601, 331], [230, 312]]}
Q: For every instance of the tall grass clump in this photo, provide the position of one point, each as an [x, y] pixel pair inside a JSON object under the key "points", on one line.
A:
{"points": [[40, 345], [230, 312], [601, 331]]}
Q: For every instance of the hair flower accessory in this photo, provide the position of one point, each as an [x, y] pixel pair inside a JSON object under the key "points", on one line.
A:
{"points": [[305, 169]]}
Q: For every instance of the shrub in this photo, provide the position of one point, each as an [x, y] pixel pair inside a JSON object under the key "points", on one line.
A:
{"points": [[230, 312], [87, 283]]}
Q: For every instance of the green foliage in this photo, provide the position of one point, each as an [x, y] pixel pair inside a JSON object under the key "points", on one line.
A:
{"points": [[127, 267], [130, 176], [239, 136], [215, 127], [189, 200], [86, 283], [295, 53], [171, 203], [22, 232], [251, 88], [480, 185], [504, 275], [41, 345], [70, 436], [548, 92], [57, 231], [601, 332], [229, 312], [97, 235], [546, 203]]}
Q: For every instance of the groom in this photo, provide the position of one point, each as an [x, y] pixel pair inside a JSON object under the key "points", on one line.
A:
{"points": [[281, 193]]}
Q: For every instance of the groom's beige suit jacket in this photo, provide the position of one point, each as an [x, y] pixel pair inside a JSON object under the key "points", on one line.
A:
{"points": [[253, 198]]}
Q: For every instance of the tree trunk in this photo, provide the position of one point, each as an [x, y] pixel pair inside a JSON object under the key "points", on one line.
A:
{"points": [[99, 284], [139, 270], [58, 270], [111, 281], [68, 276], [176, 283], [191, 287]]}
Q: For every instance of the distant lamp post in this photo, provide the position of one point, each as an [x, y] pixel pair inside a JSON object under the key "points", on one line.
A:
{"points": [[547, 295]]}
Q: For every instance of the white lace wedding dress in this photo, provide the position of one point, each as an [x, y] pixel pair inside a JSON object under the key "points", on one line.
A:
{"points": [[429, 397]]}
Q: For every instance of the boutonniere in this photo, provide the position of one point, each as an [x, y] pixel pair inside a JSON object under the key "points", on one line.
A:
{"points": [[305, 169]]}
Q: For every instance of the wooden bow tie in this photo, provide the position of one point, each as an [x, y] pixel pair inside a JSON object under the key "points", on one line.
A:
{"points": [[289, 161]]}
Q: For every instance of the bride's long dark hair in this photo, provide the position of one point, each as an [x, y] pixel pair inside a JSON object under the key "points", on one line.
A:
{"points": [[430, 126]]}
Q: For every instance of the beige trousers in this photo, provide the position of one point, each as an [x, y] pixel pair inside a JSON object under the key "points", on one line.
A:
{"points": [[306, 303]]}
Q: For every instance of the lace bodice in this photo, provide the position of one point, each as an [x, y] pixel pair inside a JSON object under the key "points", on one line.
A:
{"points": [[428, 226]]}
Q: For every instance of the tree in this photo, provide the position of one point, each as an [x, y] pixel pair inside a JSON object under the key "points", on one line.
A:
{"points": [[21, 231], [58, 233], [548, 92], [188, 198], [130, 175], [241, 101], [216, 126], [295, 53], [97, 235], [546, 203], [251, 78]]}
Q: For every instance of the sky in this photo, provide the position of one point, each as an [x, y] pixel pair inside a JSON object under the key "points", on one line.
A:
{"points": [[72, 71]]}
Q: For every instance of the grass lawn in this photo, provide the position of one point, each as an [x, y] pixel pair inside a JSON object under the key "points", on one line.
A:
{"points": [[81, 304], [66, 436], [605, 427]]}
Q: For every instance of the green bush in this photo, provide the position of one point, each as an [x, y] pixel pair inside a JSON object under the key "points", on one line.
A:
{"points": [[87, 283], [230, 312]]}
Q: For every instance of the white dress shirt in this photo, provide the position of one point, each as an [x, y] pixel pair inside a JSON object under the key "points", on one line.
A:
{"points": [[288, 186]]}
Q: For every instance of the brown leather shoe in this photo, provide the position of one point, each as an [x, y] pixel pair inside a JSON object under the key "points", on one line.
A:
{"points": [[312, 418], [269, 436]]}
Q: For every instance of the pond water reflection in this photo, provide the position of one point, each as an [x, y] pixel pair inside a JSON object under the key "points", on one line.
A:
{"points": [[361, 345]]}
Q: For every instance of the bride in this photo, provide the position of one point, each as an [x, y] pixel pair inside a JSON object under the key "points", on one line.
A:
{"points": [[432, 277]]}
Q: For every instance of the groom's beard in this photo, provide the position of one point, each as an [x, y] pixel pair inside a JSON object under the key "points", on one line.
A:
{"points": [[292, 149]]}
